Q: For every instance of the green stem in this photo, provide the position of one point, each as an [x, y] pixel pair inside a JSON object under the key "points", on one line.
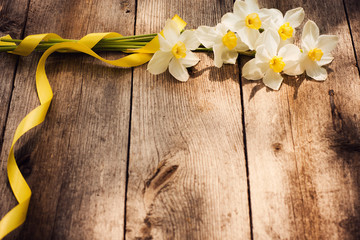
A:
{"points": [[7, 48], [129, 37], [122, 43], [111, 44], [203, 49], [59, 40], [11, 40], [136, 38], [248, 53]]}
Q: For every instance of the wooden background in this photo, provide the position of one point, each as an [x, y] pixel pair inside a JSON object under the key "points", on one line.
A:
{"points": [[125, 154]]}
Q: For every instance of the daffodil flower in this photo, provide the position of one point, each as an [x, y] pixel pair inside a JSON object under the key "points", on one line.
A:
{"points": [[225, 44], [175, 52], [316, 51], [269, 62], [285, 25], [246, 20]]}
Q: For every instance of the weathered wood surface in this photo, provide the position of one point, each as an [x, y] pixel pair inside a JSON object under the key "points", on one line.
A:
{"points": [[75, 162], [12, 21], [302, 143], [352, 10], [187, 175], [124, 154]]}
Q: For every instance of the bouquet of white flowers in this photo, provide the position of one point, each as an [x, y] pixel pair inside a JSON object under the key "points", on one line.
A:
{"points": [[263, 33]]}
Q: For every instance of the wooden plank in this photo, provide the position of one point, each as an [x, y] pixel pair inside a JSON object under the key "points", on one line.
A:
{"points": [[12, 21], [352, 8], [303, 143], [187, 177], [75, 162]]}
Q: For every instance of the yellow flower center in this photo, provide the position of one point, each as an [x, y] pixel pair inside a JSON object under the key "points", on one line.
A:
{"points": [[179, 50], [277, 64], [253, 21], [229, 40], [285, 31], [315, 54]]}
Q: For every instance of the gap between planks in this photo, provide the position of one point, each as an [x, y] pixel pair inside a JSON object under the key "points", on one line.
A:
{"points": [[129, 136], [13, 79], [245, 149], [351, 35]]}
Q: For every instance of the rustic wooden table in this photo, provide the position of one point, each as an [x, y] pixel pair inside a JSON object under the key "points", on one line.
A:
{"points": [[125, 154]]}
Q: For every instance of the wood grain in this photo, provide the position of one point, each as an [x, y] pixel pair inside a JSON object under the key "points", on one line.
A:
{"points": [[12, 21], [187, 177], [75, 162], [302, 143], [352, 8], [187, 168]]}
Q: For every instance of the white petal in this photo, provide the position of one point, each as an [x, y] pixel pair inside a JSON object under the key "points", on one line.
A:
{"points": [[189, 60], [262, 54], [289, 52], [259, 40], [240, 45], [295, 17], [159, 62], [222, 29], [310, 35], [189, 39], [267, 20], [327, 43], [286, 42], [218, 51], [178, 70], [165, 46], [252, 5], [293, 69], [275, 15], [326, 59], [272, 79], [252, 71], [229, 56], [241, 9], [291, 56], [249, 36], [206, 35], [233, 22], [271, 41], [314, 71], [171, 32]]}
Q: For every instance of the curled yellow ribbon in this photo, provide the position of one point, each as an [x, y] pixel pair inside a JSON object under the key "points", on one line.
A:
{"points": [[16, 216]]}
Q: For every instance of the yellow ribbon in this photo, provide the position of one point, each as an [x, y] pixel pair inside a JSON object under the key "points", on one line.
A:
{"points": [[16, 216]]}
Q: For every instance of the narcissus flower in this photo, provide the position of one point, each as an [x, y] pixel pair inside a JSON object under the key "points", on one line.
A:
{"points": [[246, 20], [316, 51], [175, 52], [285, 25], [269, 62], [225, 44]]}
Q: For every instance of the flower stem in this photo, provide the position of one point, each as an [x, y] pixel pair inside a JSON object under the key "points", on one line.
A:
{"points": [[108, 44], [130, 37]]}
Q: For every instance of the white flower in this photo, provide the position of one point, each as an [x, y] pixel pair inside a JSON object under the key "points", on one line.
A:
{"points": [[316, 51], [225, 44], [175, 52], [269, 62], [246, 20], [285, 25]]}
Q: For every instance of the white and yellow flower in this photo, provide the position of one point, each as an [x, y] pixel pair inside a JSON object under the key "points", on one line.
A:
{"points": [[224, 43], [285, 25], [246, 20], [269, 62], [175, 52], [316, 51]]}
